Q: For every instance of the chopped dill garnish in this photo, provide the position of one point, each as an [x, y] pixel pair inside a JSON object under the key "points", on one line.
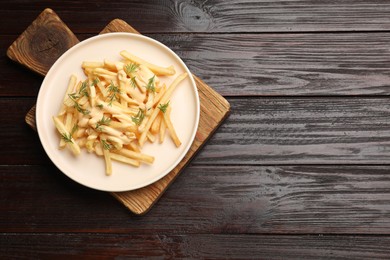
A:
{"points": [[106, 145], [67, 137], [100, 106], [95, 82], [163, 107], [137, 119], [101, 122], [114, 91], [150, 87], [83, 89], [80, 109], [77, 105], [132, 82], [73, 96], [131, 68]]}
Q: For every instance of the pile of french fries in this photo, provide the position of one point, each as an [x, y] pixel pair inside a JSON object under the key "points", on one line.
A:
{"points": [[116, 109]]}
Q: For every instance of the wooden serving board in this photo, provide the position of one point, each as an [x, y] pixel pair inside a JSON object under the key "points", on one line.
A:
{"points": [[43, 42]]}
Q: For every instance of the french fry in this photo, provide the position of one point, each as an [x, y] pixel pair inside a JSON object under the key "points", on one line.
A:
{"points": [[150, 137], [172, 132], [159, 95], [162, 131], [92, 95], [110, 65], [163, 100], [124, 159], [102, 88], [92, 64], [169, 71], [107, 159], [134, 147], [69, 122], [71, 85], [99, 149], [102, 71], [136, 155], [66, 136], [155, 128]]}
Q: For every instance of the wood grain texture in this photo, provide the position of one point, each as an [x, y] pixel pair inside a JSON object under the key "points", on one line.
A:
{"points": [[21, 144], [191, 246], [288, 64], [42, 43], [302, 131], [214, 109], [208, 200], [118, 25], [267, 64], [210, 16]]}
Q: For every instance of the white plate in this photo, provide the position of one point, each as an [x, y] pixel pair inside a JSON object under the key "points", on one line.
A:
{"points": [[89, 169]]}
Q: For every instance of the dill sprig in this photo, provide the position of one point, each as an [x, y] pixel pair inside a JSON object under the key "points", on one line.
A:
{"points": [[150, 86], [80, 109], [137, 119], [95, 82], [78, 106], [114, 91], [106, 145], [83, 91], [103, 121], [163, 107], [67, 137], [100, 106], [73, 96], [132, 82], [131, 68]]}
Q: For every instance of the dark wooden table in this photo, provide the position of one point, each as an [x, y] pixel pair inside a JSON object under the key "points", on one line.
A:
{"points": [[300, 169]]}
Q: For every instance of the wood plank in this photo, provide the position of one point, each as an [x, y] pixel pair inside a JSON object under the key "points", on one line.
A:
{"points": [[207, 199], [191, 246], [264, 65], [302, 131], [288, 64], [207, 16], [258, 131], [20, 144]]}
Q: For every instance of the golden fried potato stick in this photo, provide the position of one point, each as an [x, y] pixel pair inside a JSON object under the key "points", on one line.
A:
{"points": [[162, 131], [124, 159], [71, 86], [136, 155], [159, 71], [155, 128], [66, 136], [107, 160], [172, 132], [92, 64], [156, 110]]}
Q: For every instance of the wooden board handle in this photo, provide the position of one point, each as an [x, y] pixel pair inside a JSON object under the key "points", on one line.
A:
{"points": [[42, 43]]}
